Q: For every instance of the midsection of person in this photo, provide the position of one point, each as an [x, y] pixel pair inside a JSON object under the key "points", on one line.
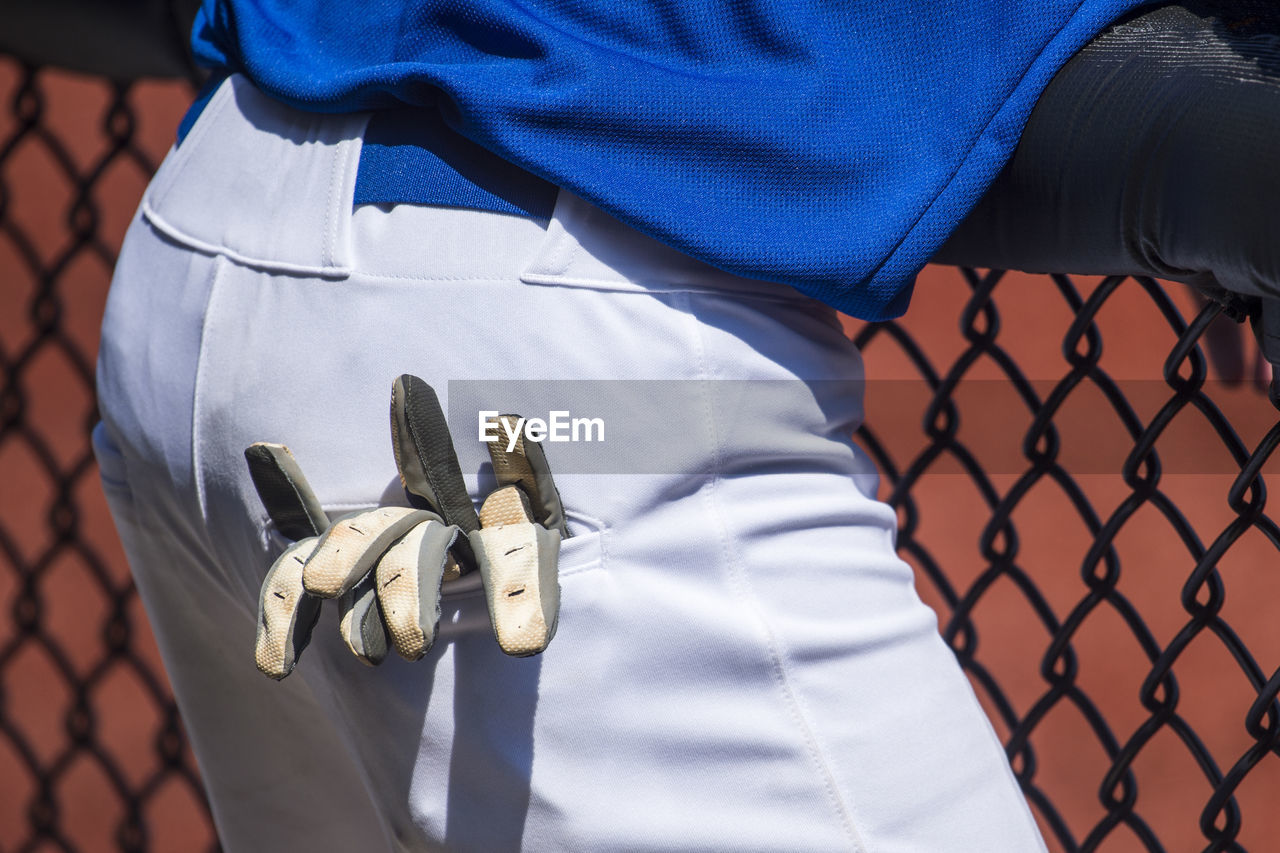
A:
{"points": [[742, 661]]}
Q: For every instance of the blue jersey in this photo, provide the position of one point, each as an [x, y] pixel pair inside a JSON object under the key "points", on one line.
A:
{"points": [[831, 146]]}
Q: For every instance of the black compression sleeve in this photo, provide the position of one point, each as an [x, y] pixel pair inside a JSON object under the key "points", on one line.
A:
{"points": [[121, 39], [1156, 150]]}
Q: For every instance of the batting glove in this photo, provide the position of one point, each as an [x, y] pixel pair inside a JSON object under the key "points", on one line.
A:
{"points": [[386, 566]]}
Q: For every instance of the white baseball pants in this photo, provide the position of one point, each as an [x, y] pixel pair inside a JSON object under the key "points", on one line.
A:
{"points": [[742, 661]]}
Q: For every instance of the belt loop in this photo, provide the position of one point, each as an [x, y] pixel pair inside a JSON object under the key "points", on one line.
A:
{"points": [[588, 247], [263, 184]]}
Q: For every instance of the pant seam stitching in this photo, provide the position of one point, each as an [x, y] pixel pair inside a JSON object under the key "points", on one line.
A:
{"points": [[742, 588], [197, 393]]}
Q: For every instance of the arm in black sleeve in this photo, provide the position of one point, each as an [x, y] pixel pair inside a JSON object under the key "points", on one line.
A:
{"points": [[1156, 150], [123, 39]]}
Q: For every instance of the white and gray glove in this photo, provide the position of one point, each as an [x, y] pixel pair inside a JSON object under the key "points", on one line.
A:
{"points": [[386, 565], [518, 545]]}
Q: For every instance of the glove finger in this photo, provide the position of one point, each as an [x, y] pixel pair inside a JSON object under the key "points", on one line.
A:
{"points": [[425, 455], [518, 568], [284, 492], [408, 583], [360, 623], [525, 465], [353, 544], [286, 614]]}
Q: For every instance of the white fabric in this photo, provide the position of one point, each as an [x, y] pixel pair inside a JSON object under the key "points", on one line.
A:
{"points": [[742, 662]]}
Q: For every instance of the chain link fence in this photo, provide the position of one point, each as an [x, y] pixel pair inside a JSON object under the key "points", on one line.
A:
{"points": [[92, 753], [1210, 523], [1086, 596]]}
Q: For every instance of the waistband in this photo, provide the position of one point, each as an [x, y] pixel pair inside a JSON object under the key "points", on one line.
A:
{"points": [[276, 188], [410, 156]]}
